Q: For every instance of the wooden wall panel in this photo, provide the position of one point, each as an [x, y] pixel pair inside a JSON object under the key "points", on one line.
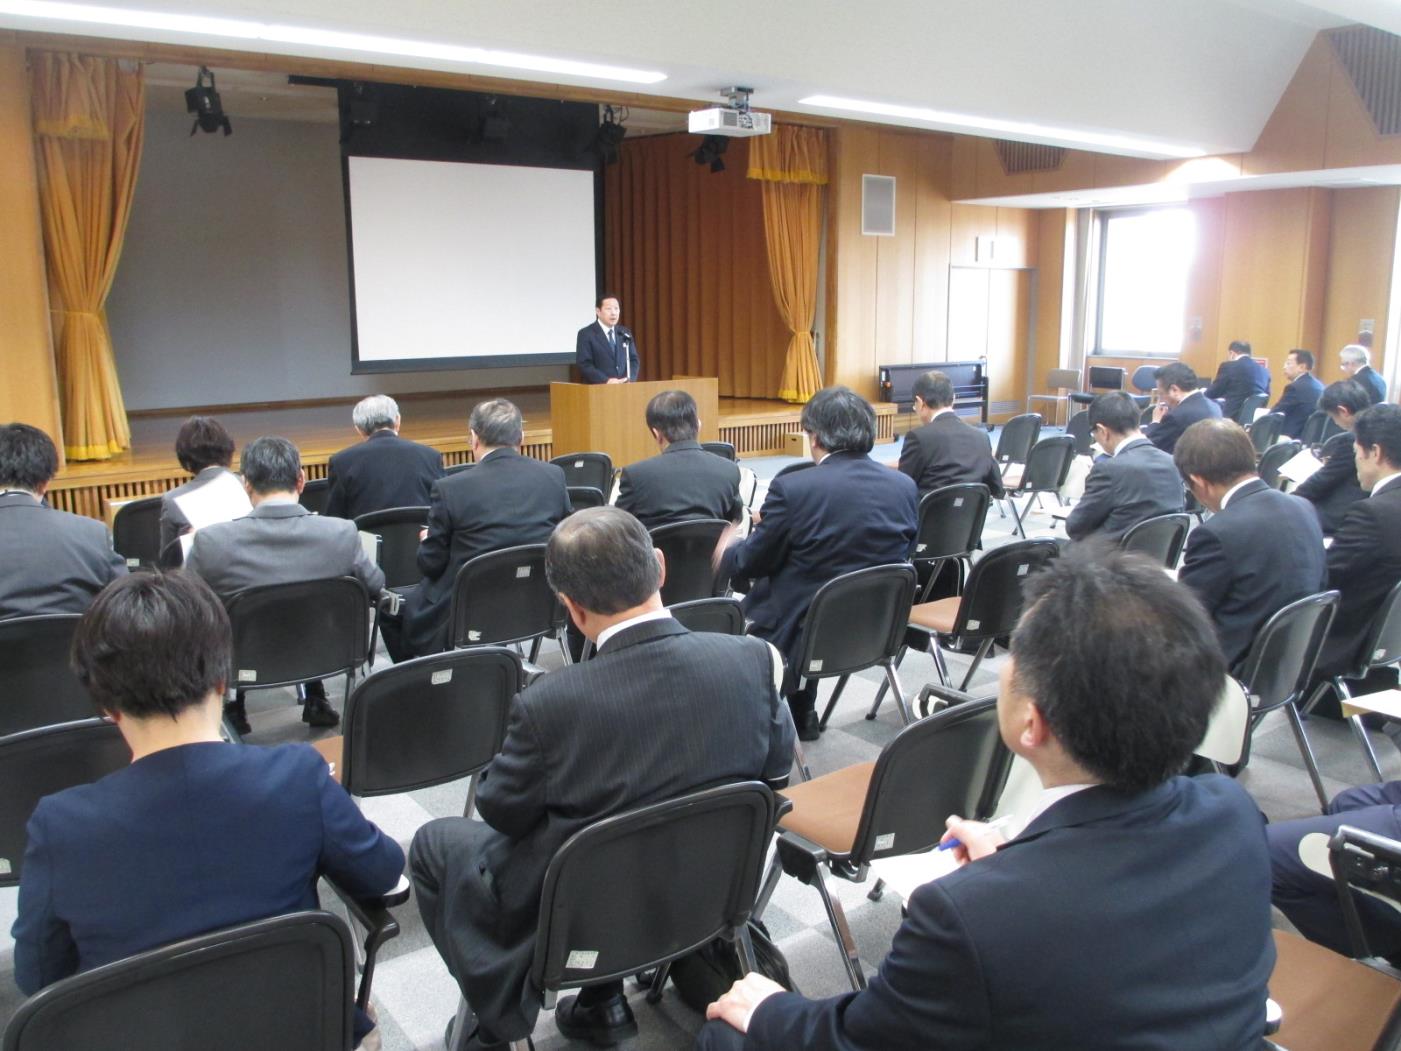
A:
{"points": [[1055, 258], [1360, 255], [933, 214], [1016, 233], [895, 256], [1008, 336], [851, 263], [1202, 347], [969, 222], [1294, 137]]}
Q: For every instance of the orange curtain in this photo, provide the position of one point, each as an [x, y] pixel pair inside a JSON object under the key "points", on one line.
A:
{"points": [[89, 115], [685, 253], [791, 165]]}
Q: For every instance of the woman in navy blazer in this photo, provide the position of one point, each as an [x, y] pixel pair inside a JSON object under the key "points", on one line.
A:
{"points": [[196, 834]]}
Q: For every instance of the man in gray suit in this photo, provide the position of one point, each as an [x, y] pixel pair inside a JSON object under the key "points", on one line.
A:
{"points": [[280, 542], [659, 712], [1137, 480], [54, 562]]}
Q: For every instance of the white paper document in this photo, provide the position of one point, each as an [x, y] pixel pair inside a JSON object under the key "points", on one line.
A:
{"points": [[1300, 467], [221, 499]]}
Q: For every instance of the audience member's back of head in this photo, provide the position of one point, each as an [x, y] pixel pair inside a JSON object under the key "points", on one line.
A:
{"points": [[497, 422], [673, 415], [1345, 394], [153, 644], [1380, 425], [203, 442], [271, 465], [840, 420], [603, 559], [1116, 411], [1122, 662], [28, 457], [374, 413], [934, 389], [1177, 374], [1356, 353], [1239, 346], [1217, 451]]}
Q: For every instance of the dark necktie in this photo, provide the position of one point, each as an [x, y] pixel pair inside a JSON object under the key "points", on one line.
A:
{"points": [[613, 342]]}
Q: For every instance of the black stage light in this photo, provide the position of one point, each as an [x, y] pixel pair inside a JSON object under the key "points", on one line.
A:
{"points": [[364, 107], [609, 137], [203, 102], [495, 125], [710, 150]]}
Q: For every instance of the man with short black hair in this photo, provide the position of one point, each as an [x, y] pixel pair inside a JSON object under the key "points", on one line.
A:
{"points": [[280, 542], [505, 500], [847, 513], [1181, 403], [1238, 378], [382, 470], [1301, 393], [684, 481], [945, 450], [54, 562], [1259, 551], [1356, 362], [1130, 912], [1333, 488], [605, 351], [206, 450], [657, 713], [1136, 481]]}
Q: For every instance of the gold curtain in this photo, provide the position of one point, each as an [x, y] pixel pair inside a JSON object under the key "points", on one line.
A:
{"points": [[89, 115], [685, 253], [791, 166]]}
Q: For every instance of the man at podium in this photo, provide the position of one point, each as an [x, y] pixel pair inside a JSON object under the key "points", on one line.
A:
{"points": [[605, 350]]}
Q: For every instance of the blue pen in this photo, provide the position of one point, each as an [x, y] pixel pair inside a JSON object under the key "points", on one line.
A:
{"points": [[999, 824]]}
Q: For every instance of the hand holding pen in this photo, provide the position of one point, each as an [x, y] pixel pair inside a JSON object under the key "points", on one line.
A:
{"points": [[970, 840]]}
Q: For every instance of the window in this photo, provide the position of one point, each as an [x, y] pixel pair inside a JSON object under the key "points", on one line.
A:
{"points": [[1144, 261]]}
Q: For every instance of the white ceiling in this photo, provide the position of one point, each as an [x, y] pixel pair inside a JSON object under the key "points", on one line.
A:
{"points": [[1202, 74]]}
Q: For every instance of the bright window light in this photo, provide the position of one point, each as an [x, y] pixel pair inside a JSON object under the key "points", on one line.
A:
{"points": [[1145, 259]]}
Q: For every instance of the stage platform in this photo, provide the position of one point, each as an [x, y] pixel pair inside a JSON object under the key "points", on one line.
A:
{"points": [[754, 426]]}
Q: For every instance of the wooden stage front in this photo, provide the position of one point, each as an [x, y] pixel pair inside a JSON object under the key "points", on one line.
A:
{"points": [[754, 426]]}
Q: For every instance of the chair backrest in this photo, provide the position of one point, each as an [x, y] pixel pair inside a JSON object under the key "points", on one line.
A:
{"points": [[503, 597], [725, 449], [1314, 426], [1106, 377], [748, 485], [458, 468], [688, 548], [1160, 538], [1146, 416], [720, 616], [581, 496], [1227, 738], [992, 598], [1063, 379], [277, 984], [953, 762], [1281, 659], [427, 721], [1383, 645], [1145, 378], [1078, 427], [398, 529], [1275, 457], [37, 687], [1048, 465], [1364, 861], [37, 763], [1264, 432], [289, 633], [652, 884], [856, 620], [590, 469], [1018, 435], [801, 465], [951, 520], [1246, 416], [136, 532], [315, 494]]}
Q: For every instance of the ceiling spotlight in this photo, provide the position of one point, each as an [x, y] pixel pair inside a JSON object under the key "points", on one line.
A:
{"points": [[609, 137], [203, 101], [710, 151]]}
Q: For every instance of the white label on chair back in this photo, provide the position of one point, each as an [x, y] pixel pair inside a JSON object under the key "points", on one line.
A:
{"points": [[815, 666], [522, 571], [578, 463], [472, 636], [1023, 569], [247, 675], [1379, 655], [4, 866], [581, 960], [885, 842], [440, 677], [973, 625], [133, 563], [920, 547], [958, 501]]}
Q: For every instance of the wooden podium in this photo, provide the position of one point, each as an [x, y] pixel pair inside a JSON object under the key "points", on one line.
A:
{"points": [[612, 417]]}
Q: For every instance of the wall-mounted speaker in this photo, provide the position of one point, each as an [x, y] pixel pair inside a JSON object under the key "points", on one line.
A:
{"points": [[878, 205]]}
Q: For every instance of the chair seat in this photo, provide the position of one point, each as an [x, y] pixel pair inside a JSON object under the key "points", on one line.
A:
{"points": [[1012, 475], [939, 615], [827, 809], [1329, 1001], [331, 749]]}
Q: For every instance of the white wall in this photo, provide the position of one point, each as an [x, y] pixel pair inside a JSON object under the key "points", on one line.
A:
{"points": [[233, 285]]}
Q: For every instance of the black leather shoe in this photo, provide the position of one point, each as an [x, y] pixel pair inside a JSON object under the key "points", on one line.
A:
{"points": [[602, 1025], [808, 728], [474, 1041], [317, 711], [237, 716]]}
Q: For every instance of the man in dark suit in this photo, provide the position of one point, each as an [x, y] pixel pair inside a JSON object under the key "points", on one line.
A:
{"points": [[657, 713], [206, 450], [1301, 393], [383, 470], [684, 481], [1238, 378], [196, 834], [54, 562], [1356, 362], [280, 542], [506, 500], [605, 350], [1136, 481], [1177, 951], [1333, 488], [848, 513], [945, 450], [1259, 551], [1181, 403]]}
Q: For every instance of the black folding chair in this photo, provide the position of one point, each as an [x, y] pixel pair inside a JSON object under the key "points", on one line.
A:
{"points": [[398, 529], [37, 763], [953, 762], [689, 550], [1046, 470], [801, 465], [587, 469], [1159, 538], [725, 449], [37, 687], [1078, 428], [1246, 415], [1102, 378], [1315, 428], [951, 522], [315, 494], [136, 532], [581, 496], [502, 598], [1275, 457], [458, 468], [722, 616], [1264, 432], [1015, 441]]}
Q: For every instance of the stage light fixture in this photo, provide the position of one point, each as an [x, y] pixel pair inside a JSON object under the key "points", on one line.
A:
{"points": [[609, 138], [710, 151], [203, 101], [364, 106], [495, 123]]}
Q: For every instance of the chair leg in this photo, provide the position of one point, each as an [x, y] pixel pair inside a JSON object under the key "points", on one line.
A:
{"points": [[1017, 516], [471, 795], [845, 942], [766, 889], [563, 639], [895, 688], [941, 667], [983, 649], [880, 693], [1306, 750], [832, 703], [374, 639], [534, 657], [800, 759], [745, 946], [654, 991], [1361, 733], [877, 892]]}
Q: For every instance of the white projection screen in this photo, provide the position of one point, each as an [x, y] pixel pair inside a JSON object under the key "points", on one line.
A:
{"points": [[457, 265]]}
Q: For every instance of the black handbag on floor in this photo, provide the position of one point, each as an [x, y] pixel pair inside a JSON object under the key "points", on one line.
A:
{"points": [[707, 974]]}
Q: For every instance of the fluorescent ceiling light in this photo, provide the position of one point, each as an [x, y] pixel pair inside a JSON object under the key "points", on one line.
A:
{"points": [[1008, 127], [325, 38]]}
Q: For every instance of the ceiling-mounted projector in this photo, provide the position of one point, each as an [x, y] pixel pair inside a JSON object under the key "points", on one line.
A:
{"points": [[735, 120]]}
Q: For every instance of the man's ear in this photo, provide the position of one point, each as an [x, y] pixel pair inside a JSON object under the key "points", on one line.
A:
{"points": [[661, 565], [576, 613], [301, 480], [1035, 731]]}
